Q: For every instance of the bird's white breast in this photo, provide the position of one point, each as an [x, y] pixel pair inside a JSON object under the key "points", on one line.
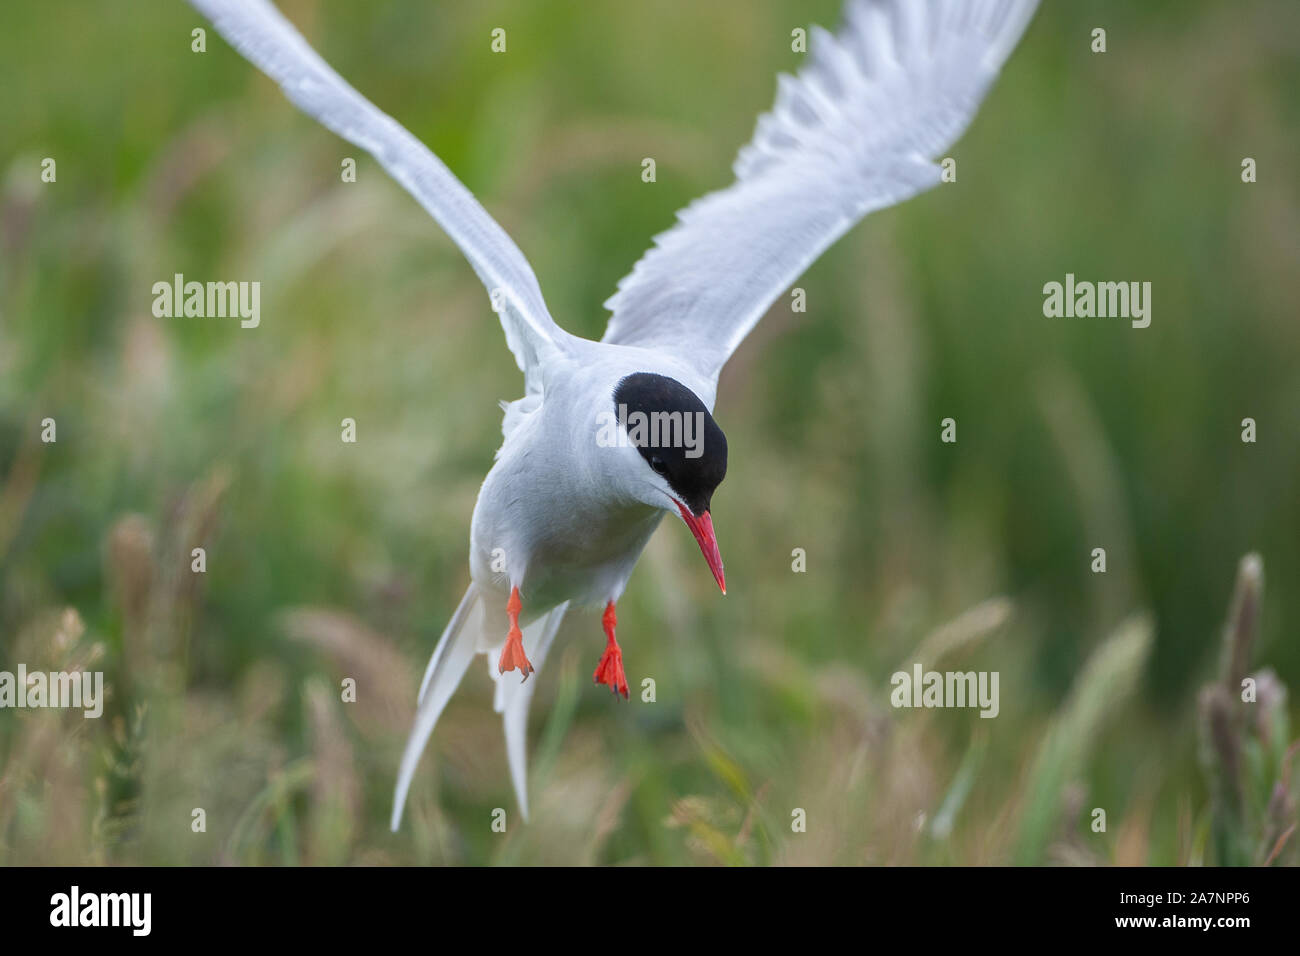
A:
{"points": [[549, 517]]}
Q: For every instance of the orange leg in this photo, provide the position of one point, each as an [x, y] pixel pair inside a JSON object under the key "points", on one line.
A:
{"points": [[610, 669], [512, 655]]}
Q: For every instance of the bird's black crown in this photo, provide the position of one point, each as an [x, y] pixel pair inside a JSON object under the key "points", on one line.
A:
{"points": [[675, 434]]}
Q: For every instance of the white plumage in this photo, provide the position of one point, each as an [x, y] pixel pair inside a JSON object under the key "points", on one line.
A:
{"points": [[860, 128]]}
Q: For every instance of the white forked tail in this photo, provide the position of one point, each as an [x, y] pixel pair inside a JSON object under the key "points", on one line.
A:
{"points": [[472, 630]]}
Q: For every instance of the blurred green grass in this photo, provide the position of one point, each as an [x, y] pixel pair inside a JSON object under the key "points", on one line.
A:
{"points": [[1073, 434]]}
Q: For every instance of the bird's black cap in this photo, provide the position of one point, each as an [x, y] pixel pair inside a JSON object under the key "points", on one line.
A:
{"points": [[675, 434]]}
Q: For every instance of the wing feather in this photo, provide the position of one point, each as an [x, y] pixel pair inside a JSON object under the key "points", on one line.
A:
{"points": [[859, 129], [266, 39]]}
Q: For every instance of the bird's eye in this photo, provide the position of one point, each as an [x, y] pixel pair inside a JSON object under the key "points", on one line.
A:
{"points": [[657, 464]]}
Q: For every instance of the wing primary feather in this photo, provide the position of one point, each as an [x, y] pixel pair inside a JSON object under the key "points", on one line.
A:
{"points": [[857, 129], [263, 36]]}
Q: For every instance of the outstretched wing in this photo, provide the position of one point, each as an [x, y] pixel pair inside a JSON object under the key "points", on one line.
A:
{"points": [[857, 130], [267, 40]]}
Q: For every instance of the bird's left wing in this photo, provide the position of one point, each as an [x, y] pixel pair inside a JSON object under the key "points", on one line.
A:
{"points": [[267, 40], [859, 129]]}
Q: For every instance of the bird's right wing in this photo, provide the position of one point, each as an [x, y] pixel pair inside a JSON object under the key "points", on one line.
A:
{"points": [[859, 129], [267, 40]]}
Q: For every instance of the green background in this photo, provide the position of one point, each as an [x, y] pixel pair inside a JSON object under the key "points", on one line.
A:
{"points": [[328, 561]]}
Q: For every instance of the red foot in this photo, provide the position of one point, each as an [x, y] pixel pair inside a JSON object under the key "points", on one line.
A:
{"points": [[610, 669], [512, 655]]}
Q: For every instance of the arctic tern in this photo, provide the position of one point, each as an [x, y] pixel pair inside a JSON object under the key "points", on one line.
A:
{"points": [[563, 516]]}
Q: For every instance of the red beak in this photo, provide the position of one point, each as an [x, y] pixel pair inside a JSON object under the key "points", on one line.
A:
{"points": [[702, 528]]}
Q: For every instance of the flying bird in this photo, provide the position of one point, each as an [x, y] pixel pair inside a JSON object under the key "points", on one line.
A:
{"points": [[610, 436]]}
